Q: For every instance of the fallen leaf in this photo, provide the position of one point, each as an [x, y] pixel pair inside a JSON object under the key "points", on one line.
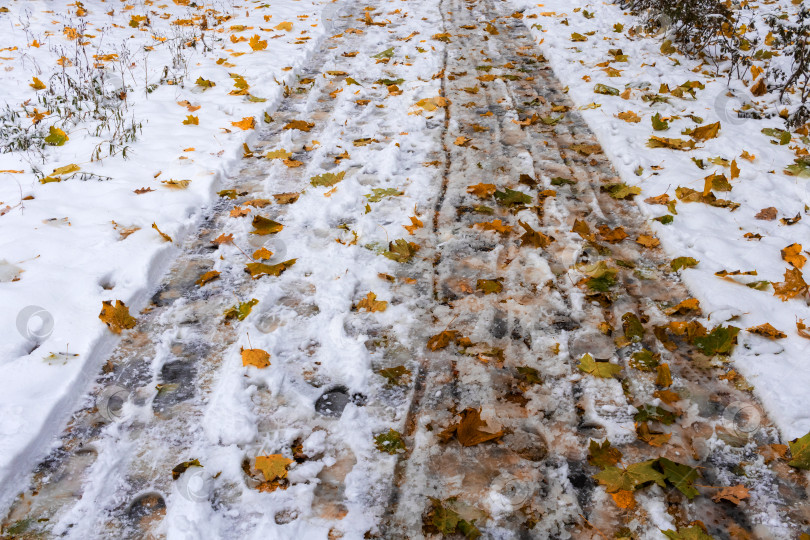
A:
{"points": [[733, 494], [165, 236], [258, 270], [648, 241], [273, 466], [116, 318], [534, 238], [264, 226], [441, 340], [629, 116], [482, 190], [178, 470], [495, 225], [704, 133], [604, 370], [767, 214], [370, 303], [300, 125], [241, 310], [768, 331], [247, 122], [390, 442], [603, 455], [257, 44], [792, 255], [223, 239], [611, 236], [469, 430], [793, 286], [415, 224], [255, 357], [206, 277]]}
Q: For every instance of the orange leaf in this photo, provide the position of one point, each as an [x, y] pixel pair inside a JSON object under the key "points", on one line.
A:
{"points": [[792, 254], [768, 331], [255, 357], [247, 122], [469, 430], [370, 303], [116, 318], [482, 190]]}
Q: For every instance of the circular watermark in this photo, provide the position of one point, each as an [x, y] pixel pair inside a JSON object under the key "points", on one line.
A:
{"points": [[35, 323], [742, 419], [111, 401], [332, 15], [512, 491], [194, 484], [727, 106]]}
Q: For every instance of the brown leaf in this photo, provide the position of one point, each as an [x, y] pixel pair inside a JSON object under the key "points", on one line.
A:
{"points": [[801, 329], [116, 318], [239, 211], [664, 376], [582, 229], [732, 494], [469, 431], [629, 116], [441, 340], [495, 225], [141, 191], [768, 331], [704, 133], [651, 437], [767, 214], [793, 286], [612, 236], [286, 198], [534, 238], [648, 241], [300, 125], [759, 88]]}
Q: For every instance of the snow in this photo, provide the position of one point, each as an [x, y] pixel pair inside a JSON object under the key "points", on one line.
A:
{"points": [[62, 243], [714, 236]]}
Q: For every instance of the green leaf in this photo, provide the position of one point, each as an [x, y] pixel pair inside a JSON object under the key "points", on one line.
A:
{"points": [[680, 476], [510, 197], [604, 370], [603, 455], [489, 286], [529, 374], [379, 194], [658, 124], [606, 90], [401, 250], [665, 220], [56, 137], [395, 376], [719, 341], [389, 82], [683, 262], [800, 168], [390, 442], [644, 360], [695, 532], [327, 179], [617, 479], [387, 53], [559, 181], [633, 330], [621, 190], [654, 413], [241, 310], [800, 450], [205, 84]]}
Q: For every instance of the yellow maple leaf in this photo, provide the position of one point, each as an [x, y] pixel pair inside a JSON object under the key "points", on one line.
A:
{"points": [[273, 467], [191, 121], [116, 318], [370, 303], [255, 357], [495, 225], [211, 275], [286, 26], [629, 116], [415, 224], [262, 254], [37, 84], [647, 241], [257, 44], [767, 330]]}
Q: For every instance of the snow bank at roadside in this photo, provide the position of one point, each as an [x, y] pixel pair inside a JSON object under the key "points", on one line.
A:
{"points": [[75, 239], [715, 236]]}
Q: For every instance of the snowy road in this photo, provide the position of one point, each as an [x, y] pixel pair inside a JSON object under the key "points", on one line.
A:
{"points": [[519, 259]]}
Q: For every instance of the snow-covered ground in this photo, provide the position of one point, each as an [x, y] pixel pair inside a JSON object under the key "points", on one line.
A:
{"points": [[184, 73], [580, 39]]}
